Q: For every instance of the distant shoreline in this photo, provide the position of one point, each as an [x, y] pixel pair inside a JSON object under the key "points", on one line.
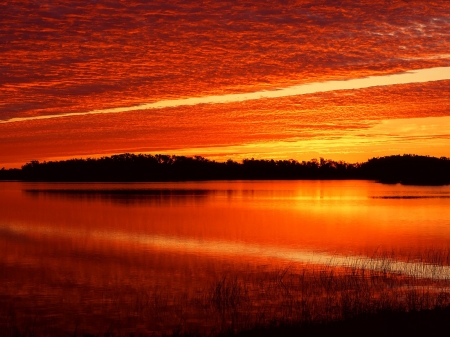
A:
{"points": [[404, 169]]}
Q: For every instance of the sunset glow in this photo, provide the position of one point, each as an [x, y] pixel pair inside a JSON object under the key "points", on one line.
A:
{"points": [[302, 79], [224, 168], [419, 76]]}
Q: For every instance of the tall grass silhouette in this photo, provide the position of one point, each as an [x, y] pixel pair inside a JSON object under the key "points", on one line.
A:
{"points": [[293, 295]]}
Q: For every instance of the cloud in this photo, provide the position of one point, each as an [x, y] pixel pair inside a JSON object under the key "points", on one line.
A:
{"points": [[300, 127], [418, 76], [57, 56]]}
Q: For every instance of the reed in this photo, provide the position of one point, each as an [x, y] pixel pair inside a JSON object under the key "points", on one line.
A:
{"points": [[289, 296]]}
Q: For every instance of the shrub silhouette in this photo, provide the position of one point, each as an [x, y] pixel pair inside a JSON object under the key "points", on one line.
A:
{"points": [[406, 169]]}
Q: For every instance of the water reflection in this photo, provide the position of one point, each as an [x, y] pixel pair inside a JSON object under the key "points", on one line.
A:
{"points": [[125, 196], [77, 249], [412, 197], [251, 251], [347, 217]]}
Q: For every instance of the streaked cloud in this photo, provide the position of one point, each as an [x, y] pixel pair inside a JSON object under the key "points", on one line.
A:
{"points": [[74, 56], [90, 60], [346, 124], [418, 76]]}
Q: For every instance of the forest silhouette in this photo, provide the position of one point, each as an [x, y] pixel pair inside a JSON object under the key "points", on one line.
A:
{"points": [[405, 169]]}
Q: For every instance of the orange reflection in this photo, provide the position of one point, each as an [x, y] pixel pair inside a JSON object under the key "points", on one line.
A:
{"points": [[346, 217], [81, 251]]}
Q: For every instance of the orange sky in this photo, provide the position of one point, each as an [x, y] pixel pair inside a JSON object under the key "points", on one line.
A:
{"points": [[70, 59]]}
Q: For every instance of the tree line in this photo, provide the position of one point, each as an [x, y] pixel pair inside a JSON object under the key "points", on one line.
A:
{"points": [[406, 169]]}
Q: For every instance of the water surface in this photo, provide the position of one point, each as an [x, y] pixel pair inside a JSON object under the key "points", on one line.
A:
{"points": [[67, 251]]}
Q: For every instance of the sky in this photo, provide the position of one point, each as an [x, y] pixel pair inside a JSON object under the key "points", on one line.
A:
{"points": [[342, 80]]}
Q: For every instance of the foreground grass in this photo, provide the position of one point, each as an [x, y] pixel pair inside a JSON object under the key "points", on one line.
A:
{"points": [[357, 299], [435, 322]]}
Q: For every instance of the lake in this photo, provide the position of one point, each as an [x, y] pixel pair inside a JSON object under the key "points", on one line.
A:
{"points": [[164, 257]]}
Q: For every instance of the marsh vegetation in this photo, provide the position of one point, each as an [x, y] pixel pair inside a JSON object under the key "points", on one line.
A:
{"points": [[262, 300]]}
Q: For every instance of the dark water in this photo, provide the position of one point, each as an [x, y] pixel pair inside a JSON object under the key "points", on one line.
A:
{"points": [[96, 254]]}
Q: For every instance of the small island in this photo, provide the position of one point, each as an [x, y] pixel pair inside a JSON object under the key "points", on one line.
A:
{"points": [[404, 169]]}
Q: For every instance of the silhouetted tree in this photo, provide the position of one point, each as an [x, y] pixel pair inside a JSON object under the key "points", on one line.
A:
{"points": [[406, 169]]}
